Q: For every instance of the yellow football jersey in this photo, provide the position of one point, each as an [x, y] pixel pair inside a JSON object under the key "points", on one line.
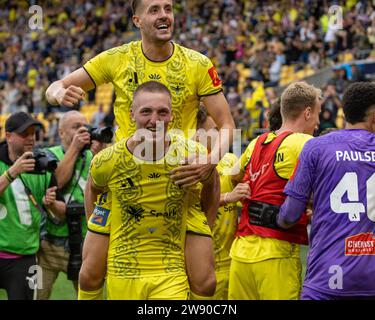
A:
{"points": [[148, 211], [253, 248], [226, 218], [188, 74]]}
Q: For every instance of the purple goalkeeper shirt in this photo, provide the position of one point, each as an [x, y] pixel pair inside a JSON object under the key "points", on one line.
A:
{"points": [[339, 170]]}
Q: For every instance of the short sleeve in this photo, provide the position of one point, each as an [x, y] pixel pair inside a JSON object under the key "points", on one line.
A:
{"points": [[301, 183], [210, 80], [101, 167], [99, 68]]}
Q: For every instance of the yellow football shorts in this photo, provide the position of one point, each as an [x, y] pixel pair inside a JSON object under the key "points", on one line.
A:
{"points": [[170, 287], [271, 279]]}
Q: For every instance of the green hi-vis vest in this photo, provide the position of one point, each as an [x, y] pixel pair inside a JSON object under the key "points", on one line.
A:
{"points": [[72, 188], [20, 220]]}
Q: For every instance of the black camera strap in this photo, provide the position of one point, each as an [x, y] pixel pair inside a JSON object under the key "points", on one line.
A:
{"points": [[79, 176], [74, 223], [43, 212]]}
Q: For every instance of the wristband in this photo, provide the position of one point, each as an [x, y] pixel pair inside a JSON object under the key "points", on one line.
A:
{"points": [[7, 175]]}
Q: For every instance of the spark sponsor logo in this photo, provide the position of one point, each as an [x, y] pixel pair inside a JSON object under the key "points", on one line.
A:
{"points": [[168, 214], [100, 216], [360, 244], [229, 208]]}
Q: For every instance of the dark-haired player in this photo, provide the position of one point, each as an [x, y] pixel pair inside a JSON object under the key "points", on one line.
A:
{"points": [[339, 170], [190, 77]]}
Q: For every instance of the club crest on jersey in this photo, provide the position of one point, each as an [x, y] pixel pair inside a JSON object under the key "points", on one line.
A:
{"points": [[100, 216], [360, 244], [154, 176], [216, 82], [154, 76], [177, 87], [136, 212]]}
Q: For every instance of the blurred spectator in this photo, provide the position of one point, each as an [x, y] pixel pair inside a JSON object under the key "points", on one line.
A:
{"points": [[40, 137], [109, 118], [326, 120], [274, 116], [339, 80], [274, 73], [357, 74], [332, 101], [233, 97], [314, 60], [53, 132], [98, 117]]}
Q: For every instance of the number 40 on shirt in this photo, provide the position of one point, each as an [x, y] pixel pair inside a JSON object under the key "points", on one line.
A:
{"points": [[349, 184]]}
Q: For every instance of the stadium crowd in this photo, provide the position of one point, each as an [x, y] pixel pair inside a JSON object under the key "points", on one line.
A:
{"points": [[250, 42]]}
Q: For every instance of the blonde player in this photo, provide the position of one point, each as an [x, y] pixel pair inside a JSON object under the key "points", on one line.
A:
{"points": [[266, 259], [148, 212]]}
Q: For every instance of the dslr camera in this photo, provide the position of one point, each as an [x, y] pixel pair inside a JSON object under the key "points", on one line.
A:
{"points": [[44, 161], [103, 135], [74, 213]]}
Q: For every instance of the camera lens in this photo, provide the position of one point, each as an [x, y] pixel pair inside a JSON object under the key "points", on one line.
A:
{"points": [[104, 135]]}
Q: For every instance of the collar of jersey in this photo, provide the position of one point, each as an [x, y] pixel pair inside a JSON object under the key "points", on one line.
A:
{"points": [[158, 63], [161, 160]]}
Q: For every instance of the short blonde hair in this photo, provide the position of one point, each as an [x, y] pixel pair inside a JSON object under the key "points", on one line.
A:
{"points": [[297, 97]]}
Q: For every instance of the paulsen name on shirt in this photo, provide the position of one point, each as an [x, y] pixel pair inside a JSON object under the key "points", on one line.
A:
{"points": [[367, 156]]}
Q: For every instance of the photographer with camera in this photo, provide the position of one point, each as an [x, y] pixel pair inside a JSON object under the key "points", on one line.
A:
{"points": [[27, 195], [61, 244]]}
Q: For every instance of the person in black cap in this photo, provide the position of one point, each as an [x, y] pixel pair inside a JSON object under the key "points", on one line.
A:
{"points": [[25, 198]]}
